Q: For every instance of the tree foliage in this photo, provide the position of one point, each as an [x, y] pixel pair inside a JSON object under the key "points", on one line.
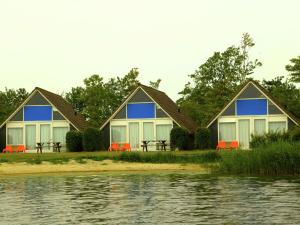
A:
{"points": [[155, 84], [10, 99], [285, 92], [98, 98], [215, 81], [294, 69]]}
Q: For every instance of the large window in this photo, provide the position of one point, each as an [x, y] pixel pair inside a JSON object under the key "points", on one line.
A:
{"points": [[163, 132], [14, 136], [227, 131], [59, 134], [259, 126], [30, 136], [148, 131], [277, 126], [118, 134]]}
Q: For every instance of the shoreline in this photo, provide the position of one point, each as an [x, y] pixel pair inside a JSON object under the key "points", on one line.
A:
{"points": [[90, 166]]}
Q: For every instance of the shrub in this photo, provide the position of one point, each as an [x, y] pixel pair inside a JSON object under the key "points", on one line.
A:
{"points": [[92, 140], [269, 138], [295, 134], [202, 138], [179, 138], [74, 141]]}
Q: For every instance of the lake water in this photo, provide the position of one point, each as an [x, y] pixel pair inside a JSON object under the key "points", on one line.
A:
{"points": [[148, 199]]}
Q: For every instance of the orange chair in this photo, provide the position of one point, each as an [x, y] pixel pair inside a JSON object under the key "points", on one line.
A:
{"points": [[20, 148], [221, 145], [114, 147], [234, 145], [126, 147], [8, 148]]}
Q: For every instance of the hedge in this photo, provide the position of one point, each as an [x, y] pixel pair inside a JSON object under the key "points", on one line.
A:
{"points": [[202, 138], [92, 140], [74, 141], [179, 138]]}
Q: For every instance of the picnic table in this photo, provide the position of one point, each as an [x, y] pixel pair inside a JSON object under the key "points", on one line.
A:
{"points": [[39, 147], [159, 143], [55, 145]]}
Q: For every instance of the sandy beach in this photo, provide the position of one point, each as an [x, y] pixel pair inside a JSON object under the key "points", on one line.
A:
{"points": [[94, 166]]}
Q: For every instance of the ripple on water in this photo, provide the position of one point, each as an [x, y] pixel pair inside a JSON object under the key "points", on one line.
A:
{"points": [[149, 199]]}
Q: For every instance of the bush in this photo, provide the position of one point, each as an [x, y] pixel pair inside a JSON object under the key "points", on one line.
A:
{"points": [[74, 141], [269, 138], [92, 140], [179, 138], [202, 138], [295, 134]]}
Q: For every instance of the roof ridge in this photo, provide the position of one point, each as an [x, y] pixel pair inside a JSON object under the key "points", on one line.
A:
{"points": [[154, 89]]}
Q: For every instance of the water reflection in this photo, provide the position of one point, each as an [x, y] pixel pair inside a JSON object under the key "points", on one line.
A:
{"points": [[149, 199]]}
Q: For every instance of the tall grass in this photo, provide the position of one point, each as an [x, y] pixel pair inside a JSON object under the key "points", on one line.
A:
{"points": [[280, 158]]}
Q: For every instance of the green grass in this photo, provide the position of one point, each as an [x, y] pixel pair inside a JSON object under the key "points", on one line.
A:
{"points": [[281, 158], [184, 157]]}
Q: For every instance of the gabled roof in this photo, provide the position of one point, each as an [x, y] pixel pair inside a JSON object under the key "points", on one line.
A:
{"points": [[265, 93], [65, 108], [167, 105]]}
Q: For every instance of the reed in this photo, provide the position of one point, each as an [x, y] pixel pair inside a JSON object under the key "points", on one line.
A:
{"points": [[280, 158]]}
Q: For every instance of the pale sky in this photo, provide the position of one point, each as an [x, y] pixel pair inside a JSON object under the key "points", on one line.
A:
{"points": [[55, 44]]}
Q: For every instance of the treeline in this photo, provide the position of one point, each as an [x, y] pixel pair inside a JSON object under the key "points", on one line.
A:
{"points": [[210, 87]]}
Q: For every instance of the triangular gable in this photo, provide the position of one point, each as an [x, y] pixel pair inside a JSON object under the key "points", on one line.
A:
{"points": [[37, 99], [252, 89], [251, 92], [138, 94], [35, 94], [161, 109]]}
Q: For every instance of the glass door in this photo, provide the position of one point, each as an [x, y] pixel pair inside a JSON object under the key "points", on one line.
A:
{"points": [[30, 136], [244, 133], [45, 135], [134, 137]]}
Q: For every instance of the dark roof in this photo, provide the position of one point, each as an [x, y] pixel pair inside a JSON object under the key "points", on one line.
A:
{"points": [[171, 108], [263, 90], [268, 94], [167, 105], [65, 108]]}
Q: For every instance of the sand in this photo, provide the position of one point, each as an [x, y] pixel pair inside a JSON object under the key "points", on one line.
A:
{"points": [[94, 166]]}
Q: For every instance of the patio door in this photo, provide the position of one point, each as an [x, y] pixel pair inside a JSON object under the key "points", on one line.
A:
{"points": [[244, 133], [134, 137], [45, 135], [30, 136]]}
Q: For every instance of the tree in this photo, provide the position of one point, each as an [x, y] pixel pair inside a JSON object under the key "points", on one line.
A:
{"points": [[285, 92], [10, 99], [294, 69], [215, 81], [155, 84], [76, 98], [98, 99]]}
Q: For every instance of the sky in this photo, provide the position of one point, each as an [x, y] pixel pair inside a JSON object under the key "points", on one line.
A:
{"points": [[55, 44]]}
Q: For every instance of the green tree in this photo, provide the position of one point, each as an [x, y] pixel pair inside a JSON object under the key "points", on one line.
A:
{"points": [[285, 92], [294, 69], [98, 99], [215, 81], [155, 84], [10, 99]]}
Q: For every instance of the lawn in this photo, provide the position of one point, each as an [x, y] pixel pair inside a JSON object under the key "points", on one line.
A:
{"points": [[197, 156]]}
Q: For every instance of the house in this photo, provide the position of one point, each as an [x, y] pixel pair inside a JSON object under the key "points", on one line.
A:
{"points": [[146, 115], [44, 117], [252, 111]]}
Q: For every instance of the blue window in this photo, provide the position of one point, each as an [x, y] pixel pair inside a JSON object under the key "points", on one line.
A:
{"points": [[37, 113], [251, 107], [141, 111]]}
